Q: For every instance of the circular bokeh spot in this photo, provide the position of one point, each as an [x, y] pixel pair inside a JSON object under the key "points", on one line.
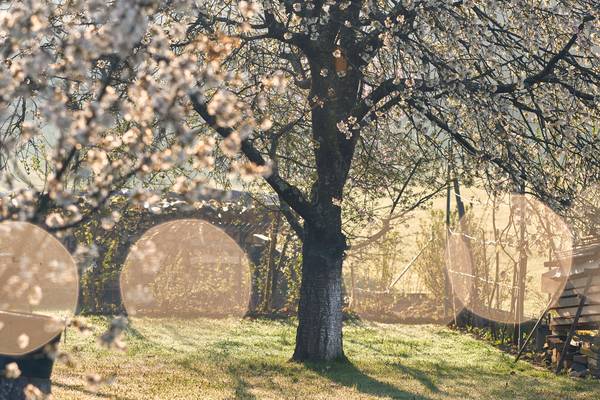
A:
{"points": [[509, 258], [186, 269], [38, 287]]}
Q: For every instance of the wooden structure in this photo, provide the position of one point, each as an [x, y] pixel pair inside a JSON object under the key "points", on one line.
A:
{"points": [[575, 311]]}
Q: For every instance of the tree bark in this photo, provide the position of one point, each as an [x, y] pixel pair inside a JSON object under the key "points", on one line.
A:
{"points": [[319, 334]]}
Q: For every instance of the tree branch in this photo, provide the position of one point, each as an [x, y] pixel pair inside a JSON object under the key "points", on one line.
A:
{"points": [[291, 219], [289, 193]]}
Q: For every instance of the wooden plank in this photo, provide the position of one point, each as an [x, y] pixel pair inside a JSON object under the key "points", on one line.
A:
{"points": [[555, 344], [573, 301], [592, 320], [586, 259], [588, 339], [580, 281], [551, 281], [552, 284], [574, 324], [564, 329], [586, 250], [555, 338], [569, 312], [567, 301], [594, 292]]}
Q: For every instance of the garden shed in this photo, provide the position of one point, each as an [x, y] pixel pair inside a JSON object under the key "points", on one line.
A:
{"points": [[575, 312]]}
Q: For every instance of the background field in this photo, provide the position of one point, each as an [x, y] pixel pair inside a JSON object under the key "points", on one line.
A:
{"points": [[231, 359]]}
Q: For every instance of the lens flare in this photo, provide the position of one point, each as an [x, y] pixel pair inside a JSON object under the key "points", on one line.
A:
{"points": [[186, 269], [509, 258], [39, 287]]}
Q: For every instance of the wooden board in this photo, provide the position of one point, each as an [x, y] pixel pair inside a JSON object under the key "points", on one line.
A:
{"points": [[580, 281], [564, 329], [555, 342], [591, 340], [588, 310], [588, 320], [593, 293], [573, 301]]}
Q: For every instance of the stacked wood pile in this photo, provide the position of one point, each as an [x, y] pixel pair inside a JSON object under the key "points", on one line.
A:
{"points": [[590, 354], [581, 358], [574, 344]]}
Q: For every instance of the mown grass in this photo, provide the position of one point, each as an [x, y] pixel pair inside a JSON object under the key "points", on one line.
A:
{"points": [[231, 359]]}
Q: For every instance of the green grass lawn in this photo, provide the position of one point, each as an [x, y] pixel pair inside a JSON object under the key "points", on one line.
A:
{"points": [[230, 359]]}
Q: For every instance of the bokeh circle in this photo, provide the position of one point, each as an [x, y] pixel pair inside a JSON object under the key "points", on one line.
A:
{"points": [[185, 269], [509, 249], [38, 290]]}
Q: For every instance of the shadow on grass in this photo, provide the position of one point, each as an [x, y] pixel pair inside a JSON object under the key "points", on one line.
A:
{"points": [[171, 331], [80, 389], [241, 387], [135, 333], [418, 375], [347, 374]]}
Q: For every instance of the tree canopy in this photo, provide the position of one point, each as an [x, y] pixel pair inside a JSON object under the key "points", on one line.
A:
{"points": [[323, 98]]}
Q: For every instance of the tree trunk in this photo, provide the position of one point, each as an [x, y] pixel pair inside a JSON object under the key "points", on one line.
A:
{"points": [[319, 335]]}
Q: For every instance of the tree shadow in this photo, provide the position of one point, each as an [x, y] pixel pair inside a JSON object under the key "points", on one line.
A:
{"points": [[240, 385], [171, 331], [242, 388], [135, 333], [347, 374], [79, 388], [418, 375]]}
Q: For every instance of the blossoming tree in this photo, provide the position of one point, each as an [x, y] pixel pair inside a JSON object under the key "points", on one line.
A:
{"points": [[514, 86], [125, 91]]}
